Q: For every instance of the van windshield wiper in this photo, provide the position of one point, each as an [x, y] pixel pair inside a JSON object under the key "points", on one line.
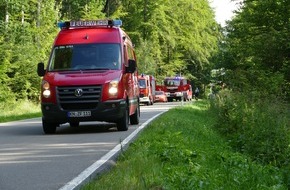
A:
{"points": [[100, 68]]}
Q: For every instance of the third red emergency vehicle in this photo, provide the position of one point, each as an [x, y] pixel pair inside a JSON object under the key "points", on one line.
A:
{"points": [[178, 88]]}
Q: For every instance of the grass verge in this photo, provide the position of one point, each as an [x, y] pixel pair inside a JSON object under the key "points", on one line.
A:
{"points": [[182, 150], [20, 110]]}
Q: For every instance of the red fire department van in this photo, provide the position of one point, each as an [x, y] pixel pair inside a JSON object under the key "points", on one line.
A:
{"points": [[147, 85], [91, 76], [178, 88]]}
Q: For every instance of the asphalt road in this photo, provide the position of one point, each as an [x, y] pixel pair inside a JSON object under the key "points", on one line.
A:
{"points": [[30, 160]]}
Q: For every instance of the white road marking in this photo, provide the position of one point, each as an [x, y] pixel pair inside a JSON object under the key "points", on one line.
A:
{"points": [[77, 181]]}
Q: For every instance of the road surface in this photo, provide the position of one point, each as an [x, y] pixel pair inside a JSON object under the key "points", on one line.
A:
{"points": [[30, 160]]}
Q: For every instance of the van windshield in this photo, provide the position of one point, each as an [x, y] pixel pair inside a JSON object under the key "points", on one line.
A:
{"points": [[142, 83], [86, 57]]}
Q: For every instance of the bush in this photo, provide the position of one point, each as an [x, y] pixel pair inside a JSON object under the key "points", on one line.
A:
{"points": [[16, 110], [254, 126], [181, 150], [7, 98]]}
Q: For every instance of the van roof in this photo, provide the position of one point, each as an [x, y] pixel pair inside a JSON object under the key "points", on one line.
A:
{"points": [[89, 35]]}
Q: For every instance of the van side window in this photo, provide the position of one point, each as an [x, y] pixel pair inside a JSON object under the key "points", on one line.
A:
{"points": [[125, 55], [130, 53]]}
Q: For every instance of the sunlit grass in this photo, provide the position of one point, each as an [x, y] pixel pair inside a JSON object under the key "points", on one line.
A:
{"points": [[20, 110], [182, 150]]}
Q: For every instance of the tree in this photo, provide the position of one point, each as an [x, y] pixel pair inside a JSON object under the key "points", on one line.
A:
{"points": [[171, 37], [93, 10], [180, 39], [257, 43], [23, 46]]}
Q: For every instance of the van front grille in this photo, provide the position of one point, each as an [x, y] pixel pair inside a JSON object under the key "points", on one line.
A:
{"points": [[79, 97]]}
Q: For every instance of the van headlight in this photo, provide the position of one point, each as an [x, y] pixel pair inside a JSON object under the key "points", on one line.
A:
{"points": [[46, 89], [113, 87]]}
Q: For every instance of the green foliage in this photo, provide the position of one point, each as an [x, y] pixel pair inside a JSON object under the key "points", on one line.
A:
{"points": [[253, 114], [6, 94], [168, 41], [180, 42], [93, 9], [256, 82], [17, 110], [256, 42], [255, 126], [181, 150], [28, 30], [147, 58]]}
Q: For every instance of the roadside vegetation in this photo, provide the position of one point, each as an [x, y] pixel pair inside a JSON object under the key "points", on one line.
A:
{"points": [[188, 148], [19, 110], [166, 45], [239, 140]]}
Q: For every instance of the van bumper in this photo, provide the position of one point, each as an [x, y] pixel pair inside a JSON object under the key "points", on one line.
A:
{"points": [[109, 111], [144, 100]]}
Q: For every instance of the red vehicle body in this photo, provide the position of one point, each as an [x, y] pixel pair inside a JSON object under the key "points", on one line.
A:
{"points": [[177, 88], [147, 85], [91, 76], [160, 96]]}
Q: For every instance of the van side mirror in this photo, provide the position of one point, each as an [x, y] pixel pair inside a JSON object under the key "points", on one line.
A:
{"points": [[40, 69], [131, 66]]}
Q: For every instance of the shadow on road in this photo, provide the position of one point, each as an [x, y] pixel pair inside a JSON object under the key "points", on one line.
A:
{"points": [[86, 128]]}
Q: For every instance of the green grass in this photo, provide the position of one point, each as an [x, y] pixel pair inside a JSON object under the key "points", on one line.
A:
{"points": [[19, 110], [182, 150]]}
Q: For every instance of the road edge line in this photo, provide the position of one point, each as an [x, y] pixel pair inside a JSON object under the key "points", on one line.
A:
{"points": [[92, 170]]}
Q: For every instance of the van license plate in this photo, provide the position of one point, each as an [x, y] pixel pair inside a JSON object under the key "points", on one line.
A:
{"points": [[79, 114]]}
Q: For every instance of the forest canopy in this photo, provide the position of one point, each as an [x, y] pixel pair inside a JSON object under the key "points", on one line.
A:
{"points": [[170, 37]]}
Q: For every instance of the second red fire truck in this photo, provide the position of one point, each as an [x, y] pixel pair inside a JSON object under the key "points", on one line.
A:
{"points": [[147, 85]]}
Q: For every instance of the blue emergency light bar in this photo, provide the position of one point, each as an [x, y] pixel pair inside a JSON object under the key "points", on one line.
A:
{"points": [[89, 23]]}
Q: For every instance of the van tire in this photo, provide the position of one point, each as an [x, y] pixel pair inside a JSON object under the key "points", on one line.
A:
{"points": [[123, 123], [48, 128], [134, 119]]}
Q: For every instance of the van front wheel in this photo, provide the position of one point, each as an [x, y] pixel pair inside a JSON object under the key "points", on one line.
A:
{"points": [[134, 119], [123, 123], [48, 128]]}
